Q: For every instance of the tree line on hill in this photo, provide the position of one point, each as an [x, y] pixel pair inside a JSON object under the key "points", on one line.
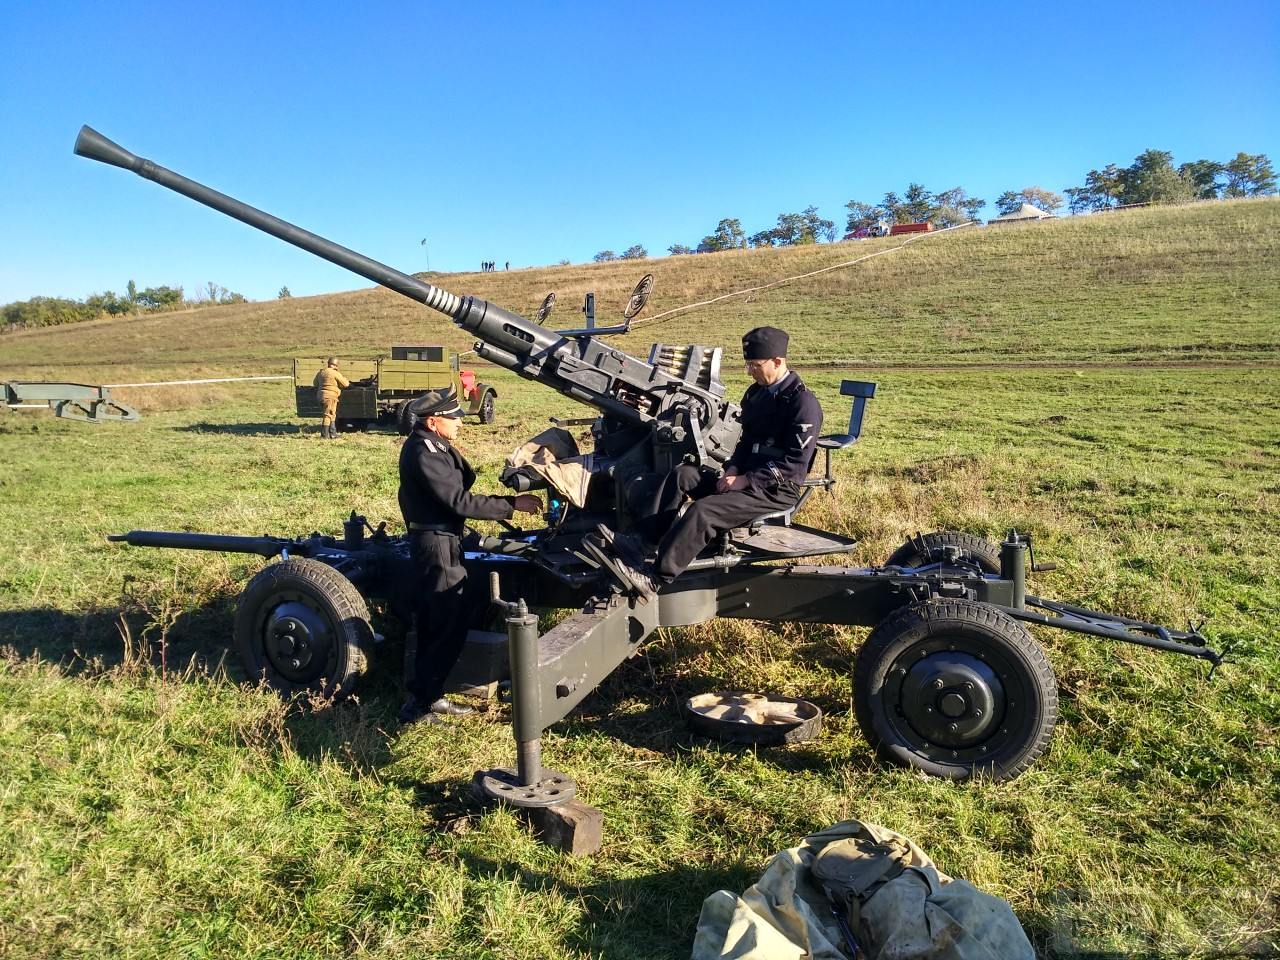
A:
{"points": [[52, 311], [1151, 178]]}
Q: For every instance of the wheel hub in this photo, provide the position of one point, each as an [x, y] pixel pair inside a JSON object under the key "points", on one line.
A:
{"points": [[297, 640], [952, 699]]}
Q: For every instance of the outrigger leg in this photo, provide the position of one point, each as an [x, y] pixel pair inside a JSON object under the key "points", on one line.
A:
{"points": [[551, 675]]}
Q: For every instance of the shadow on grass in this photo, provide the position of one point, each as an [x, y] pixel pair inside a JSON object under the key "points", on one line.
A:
{"points": [[629, 916], [254, 429], [104, 638], [660, 725], [198, 643]]}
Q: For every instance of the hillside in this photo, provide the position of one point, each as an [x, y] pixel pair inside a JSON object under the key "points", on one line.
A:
{"points": [[1190, 284]]}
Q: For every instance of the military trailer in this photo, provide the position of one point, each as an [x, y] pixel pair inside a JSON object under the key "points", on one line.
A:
{"points": [[950, 680], [85, 402], [381, 387]]}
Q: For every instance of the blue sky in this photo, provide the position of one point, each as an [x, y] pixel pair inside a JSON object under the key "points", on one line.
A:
{"points": [[534, 133]]}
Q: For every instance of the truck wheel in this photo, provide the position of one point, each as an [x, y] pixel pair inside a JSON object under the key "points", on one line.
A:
{"points": [[304, 628], [956, 689], [488, 408], [929, 548], [404, 422]]}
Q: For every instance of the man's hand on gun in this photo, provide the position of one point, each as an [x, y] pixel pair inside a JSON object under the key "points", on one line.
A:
{"points": [[730, 481]]}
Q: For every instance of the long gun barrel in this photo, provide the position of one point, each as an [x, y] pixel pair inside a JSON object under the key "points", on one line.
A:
{"points": [[262, 546], [584, 368]]}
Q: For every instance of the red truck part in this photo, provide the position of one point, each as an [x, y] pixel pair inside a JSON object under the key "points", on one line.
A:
{"points": [[898, 228]]}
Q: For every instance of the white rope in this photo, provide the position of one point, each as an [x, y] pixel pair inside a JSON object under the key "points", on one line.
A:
{"points": [[181, 383], [802, 276]]}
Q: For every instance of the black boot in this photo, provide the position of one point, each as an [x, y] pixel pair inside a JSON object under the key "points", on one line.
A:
{"points": [[449, 709]]}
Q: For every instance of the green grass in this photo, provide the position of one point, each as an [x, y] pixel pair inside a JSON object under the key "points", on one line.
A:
{"points": [[153, 805]]}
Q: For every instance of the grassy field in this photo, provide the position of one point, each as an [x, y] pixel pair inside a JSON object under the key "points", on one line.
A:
{"points": [[156, 806]]}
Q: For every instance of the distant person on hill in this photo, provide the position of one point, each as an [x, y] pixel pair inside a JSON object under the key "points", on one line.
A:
{"points": [[329, 383], [507, 265]]}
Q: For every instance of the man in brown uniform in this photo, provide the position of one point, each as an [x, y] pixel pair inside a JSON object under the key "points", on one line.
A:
{"points": [[329, 383]]}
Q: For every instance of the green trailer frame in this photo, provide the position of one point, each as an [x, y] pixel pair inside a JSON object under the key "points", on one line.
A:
{"points": [[85, 402]]}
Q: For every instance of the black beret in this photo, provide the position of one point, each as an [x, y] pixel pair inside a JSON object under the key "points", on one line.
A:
{"points": [[764, 343]]}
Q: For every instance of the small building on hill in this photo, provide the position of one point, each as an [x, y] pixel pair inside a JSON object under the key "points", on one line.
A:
{"points": [[1023, 214]]}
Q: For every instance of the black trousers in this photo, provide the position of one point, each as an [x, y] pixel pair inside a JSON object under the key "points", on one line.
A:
{"points": [[440, 609], [709, 514]]}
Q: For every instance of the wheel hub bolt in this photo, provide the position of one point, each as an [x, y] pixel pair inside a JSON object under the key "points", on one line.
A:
{"points": [[938, 684]]}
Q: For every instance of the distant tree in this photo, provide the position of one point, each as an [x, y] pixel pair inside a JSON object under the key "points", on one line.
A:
{"points": [[605, 255], [562, 263], [764, 238], [1151, 178], [819, 229], [156, 298], [284, 294], [1102, 189], [892, 206], [679, 250], [863, 215], [917, 203], [109, 303], [1250, 175], [45, 312], [1038, 197], [954, 207], [728, 236], [635, 253], [792, 230], [132, 293], [1203, 178], [217, 295]]}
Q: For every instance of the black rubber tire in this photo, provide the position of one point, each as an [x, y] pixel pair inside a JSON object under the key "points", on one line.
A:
{"points": [[404, 422], [488, 408], [351, 426], [956, 689], [303, 628], [914, 552]]}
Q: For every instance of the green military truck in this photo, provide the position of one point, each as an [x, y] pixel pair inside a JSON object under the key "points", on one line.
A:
{"points": [[381, 387]]}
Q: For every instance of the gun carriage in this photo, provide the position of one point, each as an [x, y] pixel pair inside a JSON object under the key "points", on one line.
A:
{"points": [[950, 680]]}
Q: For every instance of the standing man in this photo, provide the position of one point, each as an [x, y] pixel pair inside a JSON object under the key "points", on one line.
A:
{"points": [[329, 384], [435, 499], [781, 422]]}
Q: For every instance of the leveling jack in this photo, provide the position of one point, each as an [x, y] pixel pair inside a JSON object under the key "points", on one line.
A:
{"points": [[547, 796]]}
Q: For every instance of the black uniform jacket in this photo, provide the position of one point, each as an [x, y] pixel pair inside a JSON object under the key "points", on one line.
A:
{"points": [[435, 484], [779, 434]]}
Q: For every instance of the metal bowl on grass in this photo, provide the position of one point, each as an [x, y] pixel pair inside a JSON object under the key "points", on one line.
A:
{"points": [[736, 716]]}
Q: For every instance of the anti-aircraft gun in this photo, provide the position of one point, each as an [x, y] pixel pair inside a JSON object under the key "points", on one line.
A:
{"points": [[950, 681]]}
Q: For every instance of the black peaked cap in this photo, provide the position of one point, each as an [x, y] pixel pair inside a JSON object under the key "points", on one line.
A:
{"points": [[436, 403]]}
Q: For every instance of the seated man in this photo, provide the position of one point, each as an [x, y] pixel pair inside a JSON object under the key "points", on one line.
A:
{"points": [[781, 422]]}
